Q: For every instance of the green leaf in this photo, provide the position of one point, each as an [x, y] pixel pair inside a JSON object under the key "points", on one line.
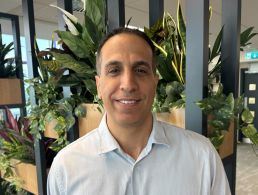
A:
{"points": [[181, 24], [216, 50], [80, 111], [218, 124], [165, 69], [239, 105], [217, 140], [50, 116], [247, 116], [246, 36], [67, 61], [249, 131], [230, 102], [254, 138], [88, 38], [75, 44], [91, 86], [92, 32], [69, 80], [94, 10]]}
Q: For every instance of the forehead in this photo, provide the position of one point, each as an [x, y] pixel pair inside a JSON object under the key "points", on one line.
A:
{"points": [[126, 43]]}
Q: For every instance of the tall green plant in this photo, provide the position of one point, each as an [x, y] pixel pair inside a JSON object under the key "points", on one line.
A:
{"points": [[17, 143], [77, 55], [7, 68], [215, 52], [223, 110], [169, 37]]}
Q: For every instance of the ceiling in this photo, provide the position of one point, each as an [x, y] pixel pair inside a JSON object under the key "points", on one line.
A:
{"points": [[46, 16]]}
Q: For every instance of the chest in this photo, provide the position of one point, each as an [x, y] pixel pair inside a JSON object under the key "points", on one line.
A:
{"points": [[115, 175]]}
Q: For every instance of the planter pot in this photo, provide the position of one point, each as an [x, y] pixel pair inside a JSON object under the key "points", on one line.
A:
{"points": [[92, 119], [86, 124], [27, 174], [177, 117], [10, 90], [227, 147]]}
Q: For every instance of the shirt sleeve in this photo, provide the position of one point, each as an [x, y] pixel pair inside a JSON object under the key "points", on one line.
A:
{"points": [[55, 184], [219, 181]]}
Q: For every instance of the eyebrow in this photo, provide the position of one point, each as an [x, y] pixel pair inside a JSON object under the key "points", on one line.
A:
{"points": [[135, 64], [141, 62], [113, 63]]}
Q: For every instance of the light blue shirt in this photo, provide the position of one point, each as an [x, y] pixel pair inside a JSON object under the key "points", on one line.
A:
{"points": [[174, 162]]}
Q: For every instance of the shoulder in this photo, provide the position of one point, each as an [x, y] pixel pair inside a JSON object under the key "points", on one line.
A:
{"points": [[186, 139], [75, 156], [85, 145]]}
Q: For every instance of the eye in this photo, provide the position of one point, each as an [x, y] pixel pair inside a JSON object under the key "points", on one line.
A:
{"points": [[141, 70], [113, 71]]}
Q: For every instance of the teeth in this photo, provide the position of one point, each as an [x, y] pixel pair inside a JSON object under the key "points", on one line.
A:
{"points": [[127, 101]]}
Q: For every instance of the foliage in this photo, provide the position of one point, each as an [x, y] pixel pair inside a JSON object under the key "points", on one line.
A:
{"points": [[220, 111], [215, 52], [7, 69], [169, 38], [10, 189], [71, 66], [223, 110], [16, 145], [247, 127], [16, 141], [172, 94]]}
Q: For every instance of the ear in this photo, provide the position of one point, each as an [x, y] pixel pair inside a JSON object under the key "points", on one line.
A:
{"points": [[97, 79], [156, 78]]}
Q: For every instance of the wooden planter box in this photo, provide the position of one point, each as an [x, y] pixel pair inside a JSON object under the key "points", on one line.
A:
{"points": [[27, 174], [227, 147], [86, 124], [10, 91], [177, 118]]}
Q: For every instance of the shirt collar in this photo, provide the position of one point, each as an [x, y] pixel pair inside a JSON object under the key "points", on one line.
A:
{"points": [[108, 142], [157, 135]]}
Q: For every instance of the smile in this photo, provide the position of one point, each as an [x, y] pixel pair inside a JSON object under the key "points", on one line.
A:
{"points": [[128, 102]]}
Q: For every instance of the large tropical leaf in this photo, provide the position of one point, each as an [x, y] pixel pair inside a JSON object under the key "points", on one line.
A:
{"points": [[181, 24], [94, 10], [216, 50], [11, 120], [68, 62], [246, 36], [75, 44]]}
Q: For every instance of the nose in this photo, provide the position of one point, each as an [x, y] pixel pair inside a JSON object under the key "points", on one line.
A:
{"points": [[128, 82]]}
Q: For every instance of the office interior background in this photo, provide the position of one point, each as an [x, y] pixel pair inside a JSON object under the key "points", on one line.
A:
{"points": [[46, 22]]}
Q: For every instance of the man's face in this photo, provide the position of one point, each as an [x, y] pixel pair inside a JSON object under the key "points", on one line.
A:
{"points": [[126, 82]]}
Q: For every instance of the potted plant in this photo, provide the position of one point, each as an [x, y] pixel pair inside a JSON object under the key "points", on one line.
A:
{"points": [[77, 55], [17, 158], [10, 86], [169, 38]]}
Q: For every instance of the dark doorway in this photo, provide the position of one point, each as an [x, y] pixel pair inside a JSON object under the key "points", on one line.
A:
{"points": [[251, 94]]}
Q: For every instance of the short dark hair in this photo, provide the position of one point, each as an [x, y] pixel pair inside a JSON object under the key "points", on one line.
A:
{"points": [[124, 30]]}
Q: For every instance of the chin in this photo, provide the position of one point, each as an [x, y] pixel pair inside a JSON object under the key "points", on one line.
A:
{"points": [[131, 119]]}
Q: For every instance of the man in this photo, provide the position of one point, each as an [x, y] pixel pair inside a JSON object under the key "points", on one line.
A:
{"points": [[131, 153]]}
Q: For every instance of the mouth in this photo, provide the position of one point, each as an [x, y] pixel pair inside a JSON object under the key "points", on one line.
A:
{"points": [[128, 101]]}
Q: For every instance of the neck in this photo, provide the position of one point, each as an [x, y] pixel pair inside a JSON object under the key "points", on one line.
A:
{"points": [[132, 138]]}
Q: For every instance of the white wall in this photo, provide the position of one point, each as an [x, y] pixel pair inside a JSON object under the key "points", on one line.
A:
{"points": [[43, 29]]}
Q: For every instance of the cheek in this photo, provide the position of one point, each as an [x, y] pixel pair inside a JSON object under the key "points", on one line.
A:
{"points": [[105, 90]]}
